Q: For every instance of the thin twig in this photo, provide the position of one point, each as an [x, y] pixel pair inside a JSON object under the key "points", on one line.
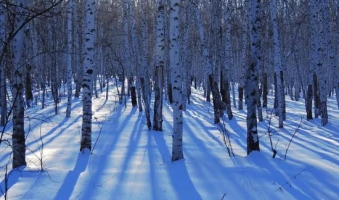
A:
{"points": [[295, 132]]}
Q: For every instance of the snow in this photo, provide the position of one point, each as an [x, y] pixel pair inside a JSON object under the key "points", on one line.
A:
{"points": [[130, 162]]}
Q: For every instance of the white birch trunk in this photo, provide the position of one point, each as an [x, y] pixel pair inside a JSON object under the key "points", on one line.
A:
{"points": [[18, 136], [323, 63], [78, 46], [252, 78], [136, 51], [244, 54], [314, 52], [87, 85], [183, 56], [144, 73], [177, 146], [69, 57], [159, 64], [228, 59], [277, 62], [127, 52], [218, 112]]}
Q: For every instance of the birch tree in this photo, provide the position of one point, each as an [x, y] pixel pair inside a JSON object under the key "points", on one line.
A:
{"points": [[54, 69], [244, 58], [277, 62], [136, 52], [144, 71], [322, 65], [218, 112], [159, 63], [127, 53], [87, 85], [252, 78], [227, 63], [69, 57], [175, 67], [17, 82]]}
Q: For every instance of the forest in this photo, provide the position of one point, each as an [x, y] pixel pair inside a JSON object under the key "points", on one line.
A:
{"points": [[250, 69]]}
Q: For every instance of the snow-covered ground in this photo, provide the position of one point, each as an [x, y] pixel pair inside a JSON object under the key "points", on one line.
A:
{"points": [[130, 162]]}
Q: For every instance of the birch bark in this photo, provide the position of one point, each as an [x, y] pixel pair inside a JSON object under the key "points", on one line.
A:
{"points": [[69, 57], [252, 79], [159, 60], [175, 67], [277, 62], [18, 136], [87, 83]]}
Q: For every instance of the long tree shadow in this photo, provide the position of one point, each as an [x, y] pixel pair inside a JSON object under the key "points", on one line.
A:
{"points": [[70, 181], [101, 158], [178, 173], [8, 182]]}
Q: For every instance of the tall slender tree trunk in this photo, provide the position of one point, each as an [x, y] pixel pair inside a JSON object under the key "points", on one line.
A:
{"points": [[138, 58], [53, 70], [212, 84], [323, 63], [159, 60], [87, 83], [144, 73], [127, 54], [78, 48], [227, 67], [252, 78], [312, 77], [244, 55], [18, 136], [277, 64], [69, 57], [177, 146]]}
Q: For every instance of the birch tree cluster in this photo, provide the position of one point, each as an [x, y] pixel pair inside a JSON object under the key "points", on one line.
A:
{"points": [[236, 51]]}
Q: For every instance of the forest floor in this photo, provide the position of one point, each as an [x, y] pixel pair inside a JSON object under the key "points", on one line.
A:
{"points": [[130, 162]]}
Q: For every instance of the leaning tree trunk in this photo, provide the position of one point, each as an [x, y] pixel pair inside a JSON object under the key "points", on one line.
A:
{"points": [[87, 83]]}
